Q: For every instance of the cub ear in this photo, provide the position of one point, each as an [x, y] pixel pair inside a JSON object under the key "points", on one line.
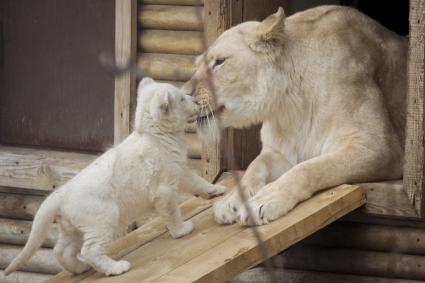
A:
{"points": [[166, 103], [144, 82], [270, 32]]}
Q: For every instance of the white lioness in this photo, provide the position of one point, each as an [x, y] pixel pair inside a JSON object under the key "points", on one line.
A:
{"points": [[126, 181], [329, 86]]}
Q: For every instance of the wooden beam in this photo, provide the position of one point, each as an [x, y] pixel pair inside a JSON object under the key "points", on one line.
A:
{"points": [[21, 277], [43, 261], [171, 17], [125, 50], [414, 165], [39, 169], [371, 263], [167, 66], [174, 2], [216, 253], [171, 41], [19, 206], [404, 240], [16, 232], [260, 275]]}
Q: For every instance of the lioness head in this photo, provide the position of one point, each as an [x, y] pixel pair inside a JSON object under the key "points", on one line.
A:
{"points": [[237, 68], [163, 107]]}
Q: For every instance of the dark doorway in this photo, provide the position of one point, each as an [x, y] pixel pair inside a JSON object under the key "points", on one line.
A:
{"points": [[54, 93]]}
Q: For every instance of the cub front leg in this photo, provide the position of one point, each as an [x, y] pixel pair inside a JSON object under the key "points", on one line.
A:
{"points": [[198, 186], [265, 168], [165, 203]]}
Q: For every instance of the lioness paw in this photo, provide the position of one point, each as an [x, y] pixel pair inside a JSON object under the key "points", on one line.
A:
{"points": [[225, 210]]}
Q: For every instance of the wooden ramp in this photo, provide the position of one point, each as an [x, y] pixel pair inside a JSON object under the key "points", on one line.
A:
{"points": [[217, 253]]}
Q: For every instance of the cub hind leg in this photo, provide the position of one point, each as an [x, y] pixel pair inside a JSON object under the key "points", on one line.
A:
{"points": [[67, 251], [93, 251]]}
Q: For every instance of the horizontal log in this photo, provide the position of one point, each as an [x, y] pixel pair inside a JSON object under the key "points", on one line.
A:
{"points": [[167, 66], [171, 17], [19, 206], [371, 237], [170, 41], [16, 232], [261, 275], [43, 261], [173, 2], [194, 145], [39, 169], [26, 277], [368, 263]]}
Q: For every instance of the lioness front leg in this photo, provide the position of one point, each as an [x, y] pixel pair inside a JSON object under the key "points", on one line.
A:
{"points": [[346, 165], [198, 186], [266, 167]]}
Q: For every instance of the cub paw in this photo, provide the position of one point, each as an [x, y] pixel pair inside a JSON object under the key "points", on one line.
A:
{"points": [[185, 229], [216, 190], [119, 267], [225, 211]]}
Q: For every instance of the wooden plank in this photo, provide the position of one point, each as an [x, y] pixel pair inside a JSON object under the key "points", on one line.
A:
{"points": [[387, 198], [170, 41], [125, 50], [260, 275], [414, 165], [240, 252], [19, 206], [216, 253], [16, 232], [39, 169], [174, 2], [171, 17], [43, 261], [382, 238], [360, 262], [215, 16], [25, 277], [147, 233], [167, 66]]}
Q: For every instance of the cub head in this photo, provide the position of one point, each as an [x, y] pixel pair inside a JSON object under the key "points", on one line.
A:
{"points": [[240, 67], [163, 107]]}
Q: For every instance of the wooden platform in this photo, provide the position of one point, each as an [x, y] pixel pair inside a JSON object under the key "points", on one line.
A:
{"points": [[217, 253]]}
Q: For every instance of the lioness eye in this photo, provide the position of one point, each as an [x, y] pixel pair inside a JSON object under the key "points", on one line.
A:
{"points": [[218, 62]]}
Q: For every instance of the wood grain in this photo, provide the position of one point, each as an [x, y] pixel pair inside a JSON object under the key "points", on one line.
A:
{"points": [[24, 277], [16, 232], [167, 66], [414, 165], [18, 206], [170, 41], [174, 2], [216, 253], [39, 169], [125, 50], [43, 261], [360, 262], [171, 17]]}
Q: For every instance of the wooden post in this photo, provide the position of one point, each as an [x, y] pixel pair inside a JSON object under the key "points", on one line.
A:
{"points": [[415, 133], [125, 49]]}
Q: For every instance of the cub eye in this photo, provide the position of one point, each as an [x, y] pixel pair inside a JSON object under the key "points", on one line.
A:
{"points": [[181, 99], [218, 62]]}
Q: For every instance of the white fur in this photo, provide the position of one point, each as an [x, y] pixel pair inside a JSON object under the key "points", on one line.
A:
{"points": [[142, 172], [328, 84]]}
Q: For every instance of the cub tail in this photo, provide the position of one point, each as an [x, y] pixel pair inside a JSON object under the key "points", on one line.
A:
{"points": [[43, 219]]}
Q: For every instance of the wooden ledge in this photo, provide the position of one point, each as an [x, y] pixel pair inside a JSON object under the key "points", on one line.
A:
{"points": [[217, 253]]}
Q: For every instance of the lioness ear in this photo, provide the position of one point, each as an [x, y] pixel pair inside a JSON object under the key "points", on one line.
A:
{"points": [[270, 32], [144, 82], [165, 105]]}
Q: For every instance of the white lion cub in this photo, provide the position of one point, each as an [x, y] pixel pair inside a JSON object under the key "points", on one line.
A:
{"points": [[142, 172]]}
